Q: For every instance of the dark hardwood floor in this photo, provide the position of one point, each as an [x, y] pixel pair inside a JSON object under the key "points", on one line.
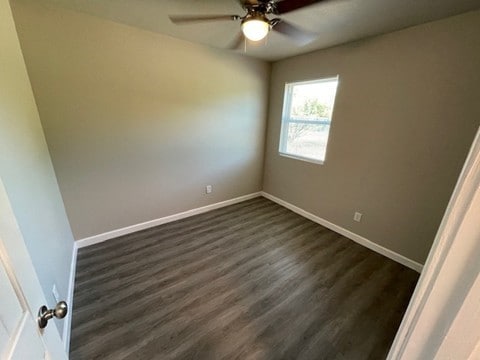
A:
{"points": [[249, 281]]}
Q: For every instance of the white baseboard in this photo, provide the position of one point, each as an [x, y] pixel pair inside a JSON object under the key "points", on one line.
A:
{"points": [[67, 326], [148, 224], [347, 233]]}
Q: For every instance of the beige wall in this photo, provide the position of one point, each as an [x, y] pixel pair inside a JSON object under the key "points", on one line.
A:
{"points": [[406, 112], [26, 169], [138, 123]]}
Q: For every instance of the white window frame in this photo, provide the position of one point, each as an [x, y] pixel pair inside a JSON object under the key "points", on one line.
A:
{"points": [[287, 104]]}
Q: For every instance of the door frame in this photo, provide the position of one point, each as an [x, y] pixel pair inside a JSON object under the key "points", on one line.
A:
{"points": [[420, 324]]}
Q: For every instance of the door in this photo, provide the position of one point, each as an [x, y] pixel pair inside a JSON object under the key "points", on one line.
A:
{"points": [[21, 296]]}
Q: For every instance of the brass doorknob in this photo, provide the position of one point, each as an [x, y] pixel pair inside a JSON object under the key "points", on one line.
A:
{"points": [[45, 314]]}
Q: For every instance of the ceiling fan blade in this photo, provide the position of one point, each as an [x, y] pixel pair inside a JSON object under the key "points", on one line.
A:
{"points": [[286, 6], [237, 42], [301, 37], [248, 2], [186, 19]]}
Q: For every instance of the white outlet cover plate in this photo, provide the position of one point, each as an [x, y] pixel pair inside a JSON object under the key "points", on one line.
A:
{"points": [[357, 216]]}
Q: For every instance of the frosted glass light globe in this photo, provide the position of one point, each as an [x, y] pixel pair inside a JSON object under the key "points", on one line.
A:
{"points": [[255, 29]]}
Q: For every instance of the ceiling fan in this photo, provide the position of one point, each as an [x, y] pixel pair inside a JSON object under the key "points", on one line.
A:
{"points": [[255, 24]]}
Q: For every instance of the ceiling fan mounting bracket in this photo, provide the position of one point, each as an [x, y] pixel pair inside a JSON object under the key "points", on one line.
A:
{"points": [[274, 22], [265, 8]]}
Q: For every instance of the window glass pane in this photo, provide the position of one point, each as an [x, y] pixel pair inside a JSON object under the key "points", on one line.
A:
{"points": [[313, 100], [307, 140]]}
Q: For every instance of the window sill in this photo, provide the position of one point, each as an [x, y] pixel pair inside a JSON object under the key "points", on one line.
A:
{"points": [[301, 158]]}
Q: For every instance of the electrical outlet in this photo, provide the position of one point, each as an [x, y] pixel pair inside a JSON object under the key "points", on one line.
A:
{"points": [[55, 293], [208, 189], [357, 216]]}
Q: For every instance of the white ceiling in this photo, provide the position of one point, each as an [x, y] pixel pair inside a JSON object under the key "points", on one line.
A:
{"points": [[335, 21]]}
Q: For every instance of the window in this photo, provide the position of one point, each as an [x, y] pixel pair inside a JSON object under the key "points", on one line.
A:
{"points": [[307, 114]]}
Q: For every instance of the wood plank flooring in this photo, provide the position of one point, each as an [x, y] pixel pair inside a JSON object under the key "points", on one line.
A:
{"points": [[249, 281]]}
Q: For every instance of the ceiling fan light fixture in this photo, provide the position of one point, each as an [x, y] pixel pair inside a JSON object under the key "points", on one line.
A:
{"points": [[255, 28]]}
